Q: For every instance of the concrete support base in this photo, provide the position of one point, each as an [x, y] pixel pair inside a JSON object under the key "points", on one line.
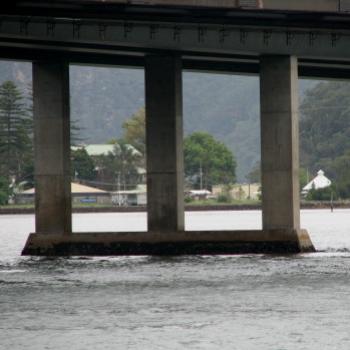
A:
{"points": [[173, 243]]}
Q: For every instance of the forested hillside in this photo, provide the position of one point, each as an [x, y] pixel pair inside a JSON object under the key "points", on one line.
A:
{"points": [[226, 106], [325, 133]]}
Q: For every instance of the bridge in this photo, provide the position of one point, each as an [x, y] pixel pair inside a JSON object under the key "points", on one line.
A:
{"points": [[273, 39]]}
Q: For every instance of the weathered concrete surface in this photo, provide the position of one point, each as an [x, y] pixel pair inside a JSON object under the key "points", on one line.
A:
{"points": [[279, 142], [301, 5], [164, 143], [173, 243], [52, 147]]}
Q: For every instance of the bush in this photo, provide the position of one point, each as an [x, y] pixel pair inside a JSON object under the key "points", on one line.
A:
{"points": [[188, 199], [4, 191], [322, 194], [224, 198]]}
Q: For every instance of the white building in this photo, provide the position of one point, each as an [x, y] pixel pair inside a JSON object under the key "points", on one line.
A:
{"points": [[198, 194], [240, 191], [135, 197], [320, 181]]}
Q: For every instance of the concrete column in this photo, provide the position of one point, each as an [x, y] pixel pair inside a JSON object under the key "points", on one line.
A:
{"points": [[164, 143], [52, 147], [279, 142]]}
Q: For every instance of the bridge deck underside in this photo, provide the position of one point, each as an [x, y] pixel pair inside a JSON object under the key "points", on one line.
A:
{"points": [[212, 40]]}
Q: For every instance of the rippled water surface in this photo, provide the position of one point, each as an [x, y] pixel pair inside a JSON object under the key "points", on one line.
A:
{"points": [[192, 302]]}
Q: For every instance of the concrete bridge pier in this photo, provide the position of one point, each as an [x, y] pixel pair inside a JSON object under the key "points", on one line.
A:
{"points": [[52, 148], [280, 147], [164, 143]]}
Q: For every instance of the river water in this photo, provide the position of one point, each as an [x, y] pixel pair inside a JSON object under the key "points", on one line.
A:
{"points": [[192, 302]]}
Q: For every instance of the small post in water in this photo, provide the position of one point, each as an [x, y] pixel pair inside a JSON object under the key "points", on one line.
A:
{"points": [[332, 201]]}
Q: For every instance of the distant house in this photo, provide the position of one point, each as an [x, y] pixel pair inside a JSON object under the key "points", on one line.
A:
{"points": [[198, 194], [135, 197], [80, 194], [320, 181], [240, 191], [97, 150]]}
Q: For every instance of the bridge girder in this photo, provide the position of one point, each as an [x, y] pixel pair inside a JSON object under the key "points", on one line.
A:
{"points": [[206, 46]]}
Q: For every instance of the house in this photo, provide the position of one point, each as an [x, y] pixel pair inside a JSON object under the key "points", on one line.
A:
{"points": [[80, 194], [320, 181], [198, 194], [240, 191], [135, 197], [97, 150]]}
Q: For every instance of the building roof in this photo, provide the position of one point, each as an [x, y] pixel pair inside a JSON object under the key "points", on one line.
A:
{"points": [[96, 149], [199, 192], [140, 189], [320, 181], [102, 149], [75, 188]]}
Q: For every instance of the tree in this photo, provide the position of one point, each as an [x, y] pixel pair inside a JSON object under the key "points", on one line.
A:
{"points": [[4, 190], [254, 176], [303, 177], [208, 161], [126, 161], [120, 166], [83, 165], [134, 131], [325, 125], [322, 194], [75, 133], [15, 131], [341, 174], [325, 133]]}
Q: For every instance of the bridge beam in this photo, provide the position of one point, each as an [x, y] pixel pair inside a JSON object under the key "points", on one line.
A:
{"points": [[164, 143], [52, 147]]}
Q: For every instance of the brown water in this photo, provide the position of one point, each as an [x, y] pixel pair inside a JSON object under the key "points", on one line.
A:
{"points": [[191, 302]]}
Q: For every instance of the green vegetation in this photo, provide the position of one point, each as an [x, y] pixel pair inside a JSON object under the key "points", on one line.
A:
{"points": [[83, 166], [15, 132], [322, 194], [225, 195], [119, 168], [208, 161], [325, 135], [254, 175], [134, 131], [4, 190], [76, 138], [340, 169]]}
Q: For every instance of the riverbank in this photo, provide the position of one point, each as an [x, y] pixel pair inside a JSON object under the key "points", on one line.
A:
{"points": [[13, 209]]}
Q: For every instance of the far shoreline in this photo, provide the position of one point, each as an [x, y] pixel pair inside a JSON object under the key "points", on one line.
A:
{"points": [[202, 207]]}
